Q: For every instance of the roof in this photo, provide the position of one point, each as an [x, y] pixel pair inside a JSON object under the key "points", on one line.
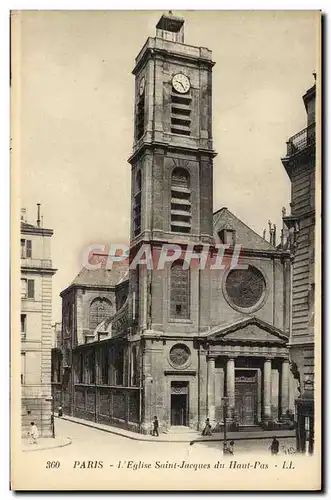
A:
{"points": [[247, 237], [102, 276], [31, 229]]}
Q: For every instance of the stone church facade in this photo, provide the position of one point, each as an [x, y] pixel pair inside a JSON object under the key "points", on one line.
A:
{"points": [[180, 343]]}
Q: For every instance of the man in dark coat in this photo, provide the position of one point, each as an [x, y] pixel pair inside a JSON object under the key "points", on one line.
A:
{"points": [[274, 446], [207, 429], [155, 427]]}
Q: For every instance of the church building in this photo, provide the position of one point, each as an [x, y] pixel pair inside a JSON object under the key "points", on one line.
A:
{"points": [[183, 343]]}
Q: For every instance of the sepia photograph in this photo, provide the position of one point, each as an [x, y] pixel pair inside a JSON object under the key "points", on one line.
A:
{"points": [[166, 233]]}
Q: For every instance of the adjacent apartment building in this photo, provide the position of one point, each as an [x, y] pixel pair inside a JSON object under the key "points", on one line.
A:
{"points": [[36, 330], [299, 163]]}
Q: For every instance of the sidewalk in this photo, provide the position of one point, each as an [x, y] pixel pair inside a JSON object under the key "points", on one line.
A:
{"points": [[183, 438], [45, 443]]}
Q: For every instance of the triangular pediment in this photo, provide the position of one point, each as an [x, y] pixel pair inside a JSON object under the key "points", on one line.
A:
{"points": [[251, 330]]}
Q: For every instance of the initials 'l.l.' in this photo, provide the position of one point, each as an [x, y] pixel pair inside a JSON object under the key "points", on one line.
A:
{"points": [[288, 464]]}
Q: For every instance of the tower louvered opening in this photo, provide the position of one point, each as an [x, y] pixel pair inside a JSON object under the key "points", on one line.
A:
{"points": [[180, 201]]}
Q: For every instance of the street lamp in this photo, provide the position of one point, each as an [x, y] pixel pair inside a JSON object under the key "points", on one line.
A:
{"points": [[225, 401]]}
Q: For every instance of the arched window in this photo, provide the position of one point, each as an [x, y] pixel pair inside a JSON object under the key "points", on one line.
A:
{"points": [[180, 201], [179, 291], [100, 309], [137, 204]]}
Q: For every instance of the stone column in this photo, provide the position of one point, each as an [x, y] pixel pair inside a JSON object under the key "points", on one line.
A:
{"points": [[203, 388], [267, 390], [230, 379], [211, 387], [285, 387]]}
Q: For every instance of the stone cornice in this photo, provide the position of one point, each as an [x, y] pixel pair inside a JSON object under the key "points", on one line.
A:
{"points": [[36, 230], [92, 287], [38, 270], [152, 146], [182, 373], [150, 50]]}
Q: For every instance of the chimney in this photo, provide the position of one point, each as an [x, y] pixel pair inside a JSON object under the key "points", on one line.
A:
{"points": [[270, 232], [38, 214], [23, 214], [274, 236], [264, 231]]}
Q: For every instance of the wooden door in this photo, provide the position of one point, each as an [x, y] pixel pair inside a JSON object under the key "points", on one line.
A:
{"points": [[246, 400]]}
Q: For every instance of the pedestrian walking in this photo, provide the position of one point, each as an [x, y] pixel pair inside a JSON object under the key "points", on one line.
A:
{"points": [[207, 429], [60, 411], [231, 448], [34, 433], [274, 446], [155, 427]]}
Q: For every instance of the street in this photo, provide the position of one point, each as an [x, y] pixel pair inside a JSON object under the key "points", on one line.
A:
{"points": [[89, 442], [99, 460]]}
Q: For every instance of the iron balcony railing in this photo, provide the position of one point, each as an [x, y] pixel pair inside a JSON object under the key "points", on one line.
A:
{"points": [[301, 140]]}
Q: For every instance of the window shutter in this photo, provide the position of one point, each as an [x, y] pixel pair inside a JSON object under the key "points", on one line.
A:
{"points": [[31, 289], [23, 288], [28, 248], [22, 249]]}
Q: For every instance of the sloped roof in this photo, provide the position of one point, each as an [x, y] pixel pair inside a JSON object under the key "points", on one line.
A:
{"points": [[245, 236], [102, 276]]}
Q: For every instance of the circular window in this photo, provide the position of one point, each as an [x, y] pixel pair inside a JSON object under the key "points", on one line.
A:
{"points": [[179, 355], [245, 288]]}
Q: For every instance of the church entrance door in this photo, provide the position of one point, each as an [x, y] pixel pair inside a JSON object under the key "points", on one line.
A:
{"points": [[246, 397], [179, 403]]}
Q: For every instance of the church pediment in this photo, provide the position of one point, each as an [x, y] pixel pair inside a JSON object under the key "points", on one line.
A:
{"points": [[250, 330]]}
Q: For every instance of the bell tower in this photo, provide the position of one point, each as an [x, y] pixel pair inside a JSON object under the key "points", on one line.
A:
{"points": [[172, 159], [171, 203]]}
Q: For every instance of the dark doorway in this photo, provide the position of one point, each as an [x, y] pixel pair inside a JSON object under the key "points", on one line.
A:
{"points": [[178, 409], [179, 403]]}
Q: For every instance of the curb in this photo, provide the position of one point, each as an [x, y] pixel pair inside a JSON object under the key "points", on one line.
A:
{"points": [[111, 430], [68, 441], [141, 437]]}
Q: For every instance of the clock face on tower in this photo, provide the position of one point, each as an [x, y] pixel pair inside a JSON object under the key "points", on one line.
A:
{"points": [[181, 83]]}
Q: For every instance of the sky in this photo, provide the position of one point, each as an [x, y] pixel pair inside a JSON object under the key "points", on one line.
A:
{"points": [[76, 116]]}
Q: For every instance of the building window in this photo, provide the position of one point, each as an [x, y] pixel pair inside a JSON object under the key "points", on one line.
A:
{"points": [[134, 367], [91, 367], [179, 291], [105, 366], [137, 205], [140, 116], [81, 368], [27, 289], [179, 355], [26, 249], [23, 326], [58, 370], [228, 237], [23, 367], [100, 309], [180, 201], [119, 366], [245, 288]]}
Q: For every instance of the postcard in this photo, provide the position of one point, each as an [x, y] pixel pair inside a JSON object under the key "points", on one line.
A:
{"points": [[166, 235]]}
